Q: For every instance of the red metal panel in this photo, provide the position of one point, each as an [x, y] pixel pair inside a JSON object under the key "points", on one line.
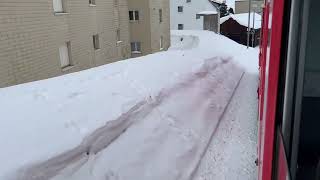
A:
{"points": [[262, 66], [270, 71]]}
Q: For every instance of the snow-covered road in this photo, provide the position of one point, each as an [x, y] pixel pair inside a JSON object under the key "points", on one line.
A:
{"points": [[232, 152], [169, 141], [146, 118]]}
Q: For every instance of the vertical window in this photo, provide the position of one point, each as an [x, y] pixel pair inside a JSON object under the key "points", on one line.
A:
{"points": [[133, 15], [197, 16], [136, 47], [188, 1], [92, 2], [180, 26], [180, 8], [160, 15], [116, 2], [58, 6], [118, 35], [136, 16], [161, 42], [96, 43], [64, 52]]}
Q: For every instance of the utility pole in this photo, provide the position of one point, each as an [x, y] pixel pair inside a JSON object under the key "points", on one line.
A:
{"points": [[253, 30], [248, 34]]}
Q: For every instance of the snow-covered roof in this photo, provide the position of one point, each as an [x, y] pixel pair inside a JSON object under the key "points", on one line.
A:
{"points": [[208, 12], [242, 19], [218, 1]]}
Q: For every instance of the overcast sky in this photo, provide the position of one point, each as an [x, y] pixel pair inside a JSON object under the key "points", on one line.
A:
{"points": [[230, 3]]}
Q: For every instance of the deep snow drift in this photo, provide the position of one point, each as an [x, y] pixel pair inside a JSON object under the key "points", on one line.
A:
{"points": [[123, 119]]}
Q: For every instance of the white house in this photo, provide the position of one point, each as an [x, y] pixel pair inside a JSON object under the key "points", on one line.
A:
{"points": [[186, 14]]}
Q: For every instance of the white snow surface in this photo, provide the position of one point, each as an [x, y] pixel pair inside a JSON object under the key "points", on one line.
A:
{"points": [[207, 12], [242, 19], [150, 117]]}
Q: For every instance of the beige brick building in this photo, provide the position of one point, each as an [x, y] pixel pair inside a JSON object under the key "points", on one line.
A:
{"points": [[43, 39], [149, 26], [242, 6]]}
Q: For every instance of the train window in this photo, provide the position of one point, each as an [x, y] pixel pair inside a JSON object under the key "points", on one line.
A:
{"points": [[309, 136]]}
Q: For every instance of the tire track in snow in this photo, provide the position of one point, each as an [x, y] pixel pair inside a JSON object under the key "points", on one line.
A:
{"points": [[104, 136], [170, 141]]}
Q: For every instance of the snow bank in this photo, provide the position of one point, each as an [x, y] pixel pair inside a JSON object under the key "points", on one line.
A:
{"points": [[207, 12], [184, 42], [47, 123], [214, 45]]}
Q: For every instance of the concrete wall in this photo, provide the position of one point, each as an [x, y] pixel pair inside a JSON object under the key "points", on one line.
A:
{"points": [[188, 16], [242, 6], [212, 23], [31, 34]]}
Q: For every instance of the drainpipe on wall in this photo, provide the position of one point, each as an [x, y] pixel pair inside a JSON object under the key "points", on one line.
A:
{"points": [[248, 34]]}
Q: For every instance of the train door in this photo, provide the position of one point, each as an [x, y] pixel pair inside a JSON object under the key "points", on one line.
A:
{"points": [[297, 150]]}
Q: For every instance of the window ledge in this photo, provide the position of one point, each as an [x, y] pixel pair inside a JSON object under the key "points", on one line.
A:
{"points": [[60, 13], [136, 52], [119, 42], [161, 49], [97, 49], [92, 5], [133, 21], [67, 68]]}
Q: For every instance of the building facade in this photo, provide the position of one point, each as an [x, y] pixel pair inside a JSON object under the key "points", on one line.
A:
{"points": [[188, 14], [43, 39], [235, 27], [242, 6], [149, 22]]}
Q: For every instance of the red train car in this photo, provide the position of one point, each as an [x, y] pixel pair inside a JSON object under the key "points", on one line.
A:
{"points": [[289, 91]]}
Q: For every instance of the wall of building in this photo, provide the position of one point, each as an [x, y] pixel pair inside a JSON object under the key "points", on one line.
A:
{"points": [[160, 29], [148, 29], [140, 31], [233, 30], [242, 6], [188, 16], [212, 23], [31, 34]]}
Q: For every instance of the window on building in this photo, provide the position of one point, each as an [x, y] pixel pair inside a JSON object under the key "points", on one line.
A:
{"points": [[116, 2], [96, 42], [133, 15], [188, 1], [161, 42], [136, 47], [160, 15], [180, 26], [58, 6], [197, 16], [64, 52], [92, 2], [118, 35], [180, 8]]}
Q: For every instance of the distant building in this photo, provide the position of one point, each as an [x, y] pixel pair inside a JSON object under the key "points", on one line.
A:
{"points": [[43, 39], [211, 20], [242, 6], [235, 27], [149, 22], [194, 14]]}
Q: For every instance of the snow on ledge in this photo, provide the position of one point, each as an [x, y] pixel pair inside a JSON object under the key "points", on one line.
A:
{"points": [[207, 13]]}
